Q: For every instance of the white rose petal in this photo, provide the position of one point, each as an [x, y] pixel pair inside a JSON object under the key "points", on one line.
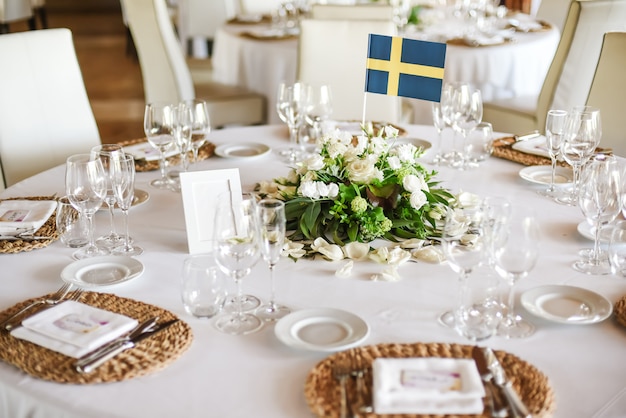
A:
{"points": [[319, 242], [346, 270], [380, 255], [293, 249], [332, 252], [356, 250], [390, 275], [412, 243], [468, 200], [398, 256], [429, 254]]}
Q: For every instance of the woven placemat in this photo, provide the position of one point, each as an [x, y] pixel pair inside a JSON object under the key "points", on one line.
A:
{"points": [[150, 355], [502, 148], [474, 44], [48, 229], [322, 391], [619, 309], [204, 152]]}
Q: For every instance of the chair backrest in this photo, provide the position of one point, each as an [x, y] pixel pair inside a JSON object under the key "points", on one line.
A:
{"points": [[322, 59], [14, 10], [608, 91], [45, 115], [201, 18], [265, 7], [554, 12], [166, 76], [570, 75], [352, 12]]}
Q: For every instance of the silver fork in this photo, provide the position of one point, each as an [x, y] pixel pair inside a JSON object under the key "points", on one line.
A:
{"points": [[358, 372], [341, 372], [9, 323]]}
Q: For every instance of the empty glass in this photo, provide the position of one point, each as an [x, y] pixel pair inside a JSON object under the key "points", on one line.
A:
{"points": [[106, 153], [478, 144], [319, 107], [479, 311], [123, 181], [200, 125], [71, 226], [556, 123], [439, 122], [158, 125], [617, 248], [291, 107], [203, 286]]}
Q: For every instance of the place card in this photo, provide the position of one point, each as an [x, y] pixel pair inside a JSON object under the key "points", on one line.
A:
{"points": [[200, 191]]}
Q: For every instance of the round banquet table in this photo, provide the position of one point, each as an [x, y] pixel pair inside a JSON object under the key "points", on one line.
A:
{"points": [[242, 376], [507, 70]]}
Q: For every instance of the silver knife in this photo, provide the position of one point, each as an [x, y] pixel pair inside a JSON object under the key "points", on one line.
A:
{"points": [[516, 405], [497, 406], [91, 361]]}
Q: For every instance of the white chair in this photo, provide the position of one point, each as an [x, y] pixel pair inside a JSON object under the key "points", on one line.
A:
{"points": [[45, 115], [15, 11], [352, 12], [199, 19], [166, 76], [608, 91], [262, 7], [39, 9], [569, 78], [334, 52], [554, 12]]}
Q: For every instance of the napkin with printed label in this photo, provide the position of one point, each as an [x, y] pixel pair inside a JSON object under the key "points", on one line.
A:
{"points": [[24, 216], [73, 328], [535, 146], [145, 151], [430, 385]]}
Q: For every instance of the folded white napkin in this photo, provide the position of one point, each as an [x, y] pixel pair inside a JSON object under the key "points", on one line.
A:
{"points": [[18, 216], [535, 146], [73, 328], [145, 151], [485, 40], [429, 385]]}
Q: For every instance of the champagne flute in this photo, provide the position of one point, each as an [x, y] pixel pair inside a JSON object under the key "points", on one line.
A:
{"points": [[583, 134], [599, 198], [123, 180], [182, 138], [319, 107], [158, 125], [465, 248], [237, 251], [272, 225], [291, 107], [555, 131], [440, 124], [86, 188], [106, 153], [200, 125], [516, 250]]}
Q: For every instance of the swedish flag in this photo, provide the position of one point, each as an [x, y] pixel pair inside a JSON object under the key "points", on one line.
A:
{"points": [[405, 67]]}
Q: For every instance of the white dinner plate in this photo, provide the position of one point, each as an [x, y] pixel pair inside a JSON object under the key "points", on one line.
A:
{"points": [[588, 232], [321, 329], [243, 150], [102, 271], [418, 142], [567, 304], [140, 197], [541, 174]]}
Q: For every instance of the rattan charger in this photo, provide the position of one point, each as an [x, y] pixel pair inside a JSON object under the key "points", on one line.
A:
{"points": [[619, 310], [48, 229], [322, 391], [149, 356], [204, 152]]}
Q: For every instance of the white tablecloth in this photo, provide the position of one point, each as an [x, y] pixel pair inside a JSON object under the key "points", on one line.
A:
{"points": [[256, 375], [500, 71]]}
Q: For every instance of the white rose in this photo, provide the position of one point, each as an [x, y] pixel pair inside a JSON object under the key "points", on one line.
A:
{"points": [[336, 149], [418, 199], [406, 153], [356, 250], [361, 171], [292, 177], [314, 162], [308, 189], [394, 162], [411, 183]]}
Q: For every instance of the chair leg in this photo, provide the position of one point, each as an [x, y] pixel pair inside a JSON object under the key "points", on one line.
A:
{"points": [[4, 28], [131, 50], [32, 24], [43, 16]]}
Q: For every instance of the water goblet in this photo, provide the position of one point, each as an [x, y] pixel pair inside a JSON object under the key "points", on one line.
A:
{"points": [[599, 198], [158, 125], [478, 144], [516, 251], [200, 125], [291, 107], [319, 107], [555, 131], [236, 252], [272, 225], [86, 187], [70, 224], [106, 153], [123, 180]]}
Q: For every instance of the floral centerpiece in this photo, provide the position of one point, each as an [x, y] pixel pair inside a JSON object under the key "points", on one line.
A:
{"points": [[358, 189]]}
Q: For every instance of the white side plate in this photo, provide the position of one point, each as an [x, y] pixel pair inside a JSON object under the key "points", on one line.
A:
{"points": [[567, 304], [541, 174], [247, 150], [589, 231], [322, 329], [102, 271], [418, 142]]}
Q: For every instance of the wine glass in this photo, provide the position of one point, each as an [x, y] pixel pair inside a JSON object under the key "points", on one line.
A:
{"points": [[465, 248], [583, 133], [272, 225], [599, 198], [496, 213], [182, 138], [86, 188], [555, 131], [291, 107], [158, 125], [200, 125], [319, 107], [123, 180], [106, 153], [478, 144], [440, 124], [516, 250], [236, 252], [469, 114]]}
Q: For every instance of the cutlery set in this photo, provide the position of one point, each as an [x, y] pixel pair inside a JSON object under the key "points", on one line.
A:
{"points": [[89, 362], [343, 370]]}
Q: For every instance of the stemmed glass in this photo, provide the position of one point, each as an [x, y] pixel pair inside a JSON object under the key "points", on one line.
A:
{"points": [[107, 153], [555, 131], [158, 125], [465, 248], [440, 124], [123, 181], [236, 252], [291, 107], [319, 107], [182, 138], [583, 133], [272, 225], [86, 188], [516, 247], [599, 198], [200, 125]]}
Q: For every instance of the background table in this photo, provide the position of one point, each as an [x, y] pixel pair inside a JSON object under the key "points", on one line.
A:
{"points": [[228, 376]]}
